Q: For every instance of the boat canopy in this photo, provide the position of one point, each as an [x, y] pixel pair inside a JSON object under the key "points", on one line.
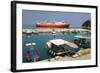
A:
{"points": [[59, 42]]}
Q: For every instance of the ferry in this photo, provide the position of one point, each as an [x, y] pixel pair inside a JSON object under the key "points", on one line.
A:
{"points": [[52, 25]]}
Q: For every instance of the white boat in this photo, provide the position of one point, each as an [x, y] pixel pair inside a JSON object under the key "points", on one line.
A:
{"points": [[83, 41], [83, 37], [62, 42], [56, 46], [30, 44]]}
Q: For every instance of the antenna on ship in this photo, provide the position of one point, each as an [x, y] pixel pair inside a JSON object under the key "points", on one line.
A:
{"points": [[37, 20], [53, 21], [47, 20]]}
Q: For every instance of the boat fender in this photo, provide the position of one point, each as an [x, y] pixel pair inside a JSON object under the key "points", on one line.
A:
{"points": [[48, 44], [51, 52], [54, 53]]}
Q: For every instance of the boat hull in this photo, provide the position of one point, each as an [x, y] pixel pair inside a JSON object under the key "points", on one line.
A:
{"points": [[53, 25]]}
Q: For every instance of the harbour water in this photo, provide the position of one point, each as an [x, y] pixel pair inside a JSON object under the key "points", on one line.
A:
{"points": [[41, 39]]}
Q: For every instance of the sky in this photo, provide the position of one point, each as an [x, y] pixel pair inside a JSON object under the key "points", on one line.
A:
{"points": [[75, 19]]}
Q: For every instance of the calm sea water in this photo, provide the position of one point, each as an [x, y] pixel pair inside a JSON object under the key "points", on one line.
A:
{"points": [[41, 40]]}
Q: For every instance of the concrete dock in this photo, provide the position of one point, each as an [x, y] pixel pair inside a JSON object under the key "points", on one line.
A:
{"points": [[67, 58], [51, 30]]}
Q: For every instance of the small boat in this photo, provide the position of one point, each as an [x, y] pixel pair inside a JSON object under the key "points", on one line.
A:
{"points": [[27, 31], [30, 44], [60, 47], [83, 41]]}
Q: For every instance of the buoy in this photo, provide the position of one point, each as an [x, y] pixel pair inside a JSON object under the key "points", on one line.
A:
{"points": [[37, 55], [28, 56]]}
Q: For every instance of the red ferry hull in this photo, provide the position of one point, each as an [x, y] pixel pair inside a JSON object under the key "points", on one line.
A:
{"points": [[53, 25]]}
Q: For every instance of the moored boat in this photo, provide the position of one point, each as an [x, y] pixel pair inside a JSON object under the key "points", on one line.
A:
{"points": [[53, 25], [60, 47]]}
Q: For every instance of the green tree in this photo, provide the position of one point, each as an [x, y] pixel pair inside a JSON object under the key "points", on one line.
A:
{"points": [[86, 24]]}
